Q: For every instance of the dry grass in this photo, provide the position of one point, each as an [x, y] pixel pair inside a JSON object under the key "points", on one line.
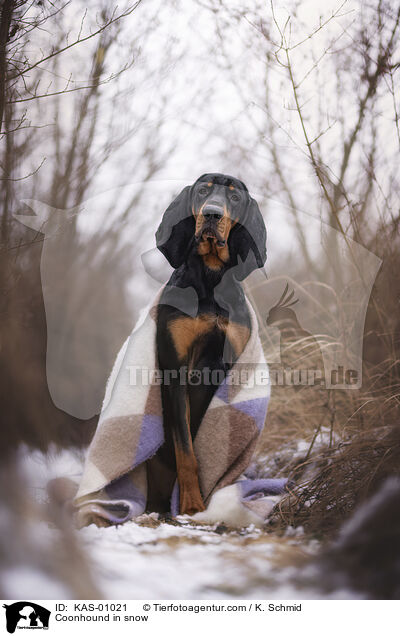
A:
{"points": [[339, 446], [343, 477]]}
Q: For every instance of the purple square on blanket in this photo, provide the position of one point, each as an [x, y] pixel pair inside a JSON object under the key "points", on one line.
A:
{"points": [[256, 488], [151, 438], [124, 489], [222, 392]]}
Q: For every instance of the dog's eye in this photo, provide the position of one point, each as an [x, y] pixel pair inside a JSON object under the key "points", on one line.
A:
{"points": [[235, 197], [203, 190]]}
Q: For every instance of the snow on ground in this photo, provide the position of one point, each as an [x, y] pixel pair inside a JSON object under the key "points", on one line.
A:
{"points": [[187, 562], [178, 559], [293, 452]]}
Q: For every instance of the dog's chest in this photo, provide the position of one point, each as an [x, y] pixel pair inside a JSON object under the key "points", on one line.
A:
{"points": [[213, 329]]}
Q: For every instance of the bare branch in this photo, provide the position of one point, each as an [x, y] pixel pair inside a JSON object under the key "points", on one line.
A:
{"points": [[79, 40], [65, 90]]}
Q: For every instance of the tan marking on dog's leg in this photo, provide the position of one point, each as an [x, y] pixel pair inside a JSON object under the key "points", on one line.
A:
{"points": [[185, 330], [190, 498]]}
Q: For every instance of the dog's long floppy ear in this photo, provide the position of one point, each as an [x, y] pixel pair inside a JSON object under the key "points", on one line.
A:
{"points": [[247, 242], [176, 229]]}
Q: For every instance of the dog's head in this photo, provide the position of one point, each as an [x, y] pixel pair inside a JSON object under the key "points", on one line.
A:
{"points": [[218, 218]]}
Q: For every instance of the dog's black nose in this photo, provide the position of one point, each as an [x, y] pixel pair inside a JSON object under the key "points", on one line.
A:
{"points": [[213, 210], [215, 215]]}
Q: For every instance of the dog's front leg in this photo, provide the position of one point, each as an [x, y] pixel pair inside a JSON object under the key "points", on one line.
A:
{"points": [[177, 417]]}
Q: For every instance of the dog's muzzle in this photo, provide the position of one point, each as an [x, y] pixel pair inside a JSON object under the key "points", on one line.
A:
{"points": [[213, 211]]}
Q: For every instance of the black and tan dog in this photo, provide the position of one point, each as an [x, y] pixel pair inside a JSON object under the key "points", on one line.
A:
{"points": [[213, 234]]}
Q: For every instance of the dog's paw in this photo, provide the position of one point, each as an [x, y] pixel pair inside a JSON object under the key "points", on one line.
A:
{"points": [[191, 502]]}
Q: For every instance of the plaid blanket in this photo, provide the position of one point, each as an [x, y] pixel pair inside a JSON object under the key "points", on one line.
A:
{"points": [[114, 486]]}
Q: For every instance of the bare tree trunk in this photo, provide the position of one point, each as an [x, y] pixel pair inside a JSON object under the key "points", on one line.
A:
{"points": [[7, 9]]}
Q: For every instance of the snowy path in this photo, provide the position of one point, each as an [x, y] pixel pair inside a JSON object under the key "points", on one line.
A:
{"points": [[191, 562], [151, 559]]}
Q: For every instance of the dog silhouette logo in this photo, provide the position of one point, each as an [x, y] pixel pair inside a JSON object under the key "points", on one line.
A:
{"points": [[26, 615]]}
